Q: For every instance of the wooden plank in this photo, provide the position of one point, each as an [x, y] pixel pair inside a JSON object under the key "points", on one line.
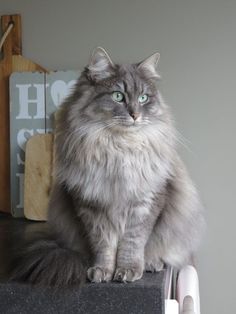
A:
{"points": [[27, 118], [59, 85], [12, 61], [38, 176]]}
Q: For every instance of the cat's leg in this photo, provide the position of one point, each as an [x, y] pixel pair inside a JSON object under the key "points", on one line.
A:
{"points": [[153, 262], [103, 241], [130, 254], [104, 264], [177, 231]]}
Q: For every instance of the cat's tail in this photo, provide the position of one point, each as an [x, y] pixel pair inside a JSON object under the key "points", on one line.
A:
{"points": [[46, 261]]}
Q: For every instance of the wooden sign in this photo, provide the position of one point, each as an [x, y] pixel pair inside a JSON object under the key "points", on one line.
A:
{"points": [[12, 61], [34, 97]]}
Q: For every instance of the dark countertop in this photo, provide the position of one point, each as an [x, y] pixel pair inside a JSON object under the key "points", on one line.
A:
{"points": [[145, 296]]}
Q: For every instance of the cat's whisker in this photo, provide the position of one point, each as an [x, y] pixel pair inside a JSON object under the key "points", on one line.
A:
{"points": [[183, 141]]}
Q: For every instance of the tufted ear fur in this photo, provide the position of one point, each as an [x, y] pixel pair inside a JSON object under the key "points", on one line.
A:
{"points": [[149, 65], [100, 67]]}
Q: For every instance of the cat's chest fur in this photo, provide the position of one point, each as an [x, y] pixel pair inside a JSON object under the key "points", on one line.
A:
{"points": [[111, 170]]}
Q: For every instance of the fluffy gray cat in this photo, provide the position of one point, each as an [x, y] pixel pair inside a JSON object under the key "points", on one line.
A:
{"points": [[122, 198]]}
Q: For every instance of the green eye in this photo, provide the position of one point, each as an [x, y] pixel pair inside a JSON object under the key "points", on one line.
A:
{"points": [[117, 96], [143, 98]]}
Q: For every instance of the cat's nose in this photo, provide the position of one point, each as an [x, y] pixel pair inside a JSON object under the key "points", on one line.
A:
{"points": [[135, 115]]}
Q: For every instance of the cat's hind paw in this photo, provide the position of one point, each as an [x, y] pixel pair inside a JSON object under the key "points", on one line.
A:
{"points": [[154, 266]]}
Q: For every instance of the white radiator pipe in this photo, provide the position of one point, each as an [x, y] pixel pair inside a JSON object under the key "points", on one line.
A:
{"points": [[188, 291]]}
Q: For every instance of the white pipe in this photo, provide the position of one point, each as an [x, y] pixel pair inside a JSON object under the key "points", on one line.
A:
{"points": [[188, 291]]}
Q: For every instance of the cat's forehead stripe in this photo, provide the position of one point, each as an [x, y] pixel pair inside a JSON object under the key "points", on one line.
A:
{"points": [[121, 85], [130, 82]]}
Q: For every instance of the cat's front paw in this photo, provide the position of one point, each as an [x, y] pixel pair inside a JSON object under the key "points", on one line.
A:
{"points": [[127, 274], [154, 266], [99, 274]]}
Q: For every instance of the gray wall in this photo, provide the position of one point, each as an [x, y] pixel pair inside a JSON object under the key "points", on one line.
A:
{"points": [[197, 43]]}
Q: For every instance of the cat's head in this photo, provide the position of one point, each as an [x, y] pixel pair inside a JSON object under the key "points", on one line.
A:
{"points": [[121, 100], [123, 96]]}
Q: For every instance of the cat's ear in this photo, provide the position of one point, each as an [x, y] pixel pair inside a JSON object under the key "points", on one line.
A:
{"points": [[100, 66], [149, 65]]}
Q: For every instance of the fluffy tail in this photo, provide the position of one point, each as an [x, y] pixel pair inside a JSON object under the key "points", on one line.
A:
{"points": [[46, 261]]}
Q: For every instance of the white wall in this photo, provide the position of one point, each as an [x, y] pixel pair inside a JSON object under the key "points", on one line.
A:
{"points": [[197, 43]]}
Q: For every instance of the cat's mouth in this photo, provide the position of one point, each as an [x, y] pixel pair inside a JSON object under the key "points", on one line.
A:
{"points": [[121, 124], [129, 125]]}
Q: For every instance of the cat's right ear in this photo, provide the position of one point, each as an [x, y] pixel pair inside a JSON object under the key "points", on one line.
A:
{"points": [[100, 66], [149, 65]]}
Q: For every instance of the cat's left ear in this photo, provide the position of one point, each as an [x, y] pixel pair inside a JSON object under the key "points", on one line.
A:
{"points": [[149, 65], [100, 65]]}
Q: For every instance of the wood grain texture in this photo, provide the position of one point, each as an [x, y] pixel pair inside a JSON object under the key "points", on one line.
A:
{"points": [[38, 176], [12, 62]]}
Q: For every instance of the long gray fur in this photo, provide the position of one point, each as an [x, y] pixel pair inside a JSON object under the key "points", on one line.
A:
{"points": [[121, 195]]}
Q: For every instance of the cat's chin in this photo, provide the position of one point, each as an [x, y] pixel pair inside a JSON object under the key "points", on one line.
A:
{"points": [[131, 127]]}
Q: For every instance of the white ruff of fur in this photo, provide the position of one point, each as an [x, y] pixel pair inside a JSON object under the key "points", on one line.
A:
{"points": [[113, 166]]}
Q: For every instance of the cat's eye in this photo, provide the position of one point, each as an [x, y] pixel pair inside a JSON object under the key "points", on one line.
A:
{"points": [[117, 96], [143, 98]]}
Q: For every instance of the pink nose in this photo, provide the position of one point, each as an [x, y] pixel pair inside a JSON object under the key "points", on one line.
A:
{"points": [[135, 115]]}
